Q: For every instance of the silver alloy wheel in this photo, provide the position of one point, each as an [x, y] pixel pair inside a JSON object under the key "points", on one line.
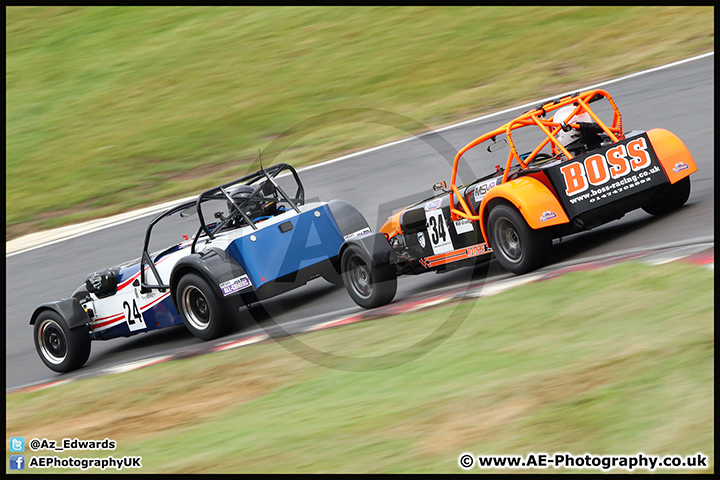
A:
{"points": [[360, 277], [508, 240], [52, 341], [195, 307]]}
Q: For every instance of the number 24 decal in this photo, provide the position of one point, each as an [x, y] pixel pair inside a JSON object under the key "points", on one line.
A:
{"points": [[133, 316]]}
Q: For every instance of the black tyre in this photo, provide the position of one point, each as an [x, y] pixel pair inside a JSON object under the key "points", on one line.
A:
{"points": [[61, 348], [675, 197], [369, 285], [518, 248], [204, 313]]}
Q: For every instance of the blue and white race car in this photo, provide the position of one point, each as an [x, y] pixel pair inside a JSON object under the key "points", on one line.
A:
{"points": [[250, 240]]}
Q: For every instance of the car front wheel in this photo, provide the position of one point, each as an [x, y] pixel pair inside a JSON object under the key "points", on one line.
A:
{"points": [[367, 284], [517, 247], [204, 313], [61, 348]]}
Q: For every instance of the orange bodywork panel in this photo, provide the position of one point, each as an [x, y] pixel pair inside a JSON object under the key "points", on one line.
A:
{"points": [[674, 156], [391, 227], [537, 204]]}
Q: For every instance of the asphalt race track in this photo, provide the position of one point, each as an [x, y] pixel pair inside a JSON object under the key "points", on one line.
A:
{"points": [[679, 98]]}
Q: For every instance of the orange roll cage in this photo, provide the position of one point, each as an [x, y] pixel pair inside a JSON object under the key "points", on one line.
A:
{"points": [[536, 117]]}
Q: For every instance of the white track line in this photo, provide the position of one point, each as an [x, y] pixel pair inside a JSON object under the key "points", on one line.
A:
{"points": [[49, 237]]}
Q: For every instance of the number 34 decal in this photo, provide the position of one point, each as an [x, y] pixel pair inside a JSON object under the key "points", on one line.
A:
{"points": [[133, 316], [438, 232]]}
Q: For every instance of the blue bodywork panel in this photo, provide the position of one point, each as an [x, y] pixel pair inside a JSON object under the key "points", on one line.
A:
{"points": [[128, 272], [278, 251]]}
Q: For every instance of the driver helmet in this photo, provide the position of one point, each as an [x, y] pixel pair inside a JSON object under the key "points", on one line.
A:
{"points": [[566, 138]]}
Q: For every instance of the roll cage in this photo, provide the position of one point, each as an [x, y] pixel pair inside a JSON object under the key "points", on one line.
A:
{"points": [[550, 129], [263, 188]]}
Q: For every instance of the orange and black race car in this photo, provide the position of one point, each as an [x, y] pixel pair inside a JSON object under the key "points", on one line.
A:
{"points": [[578, 170]]}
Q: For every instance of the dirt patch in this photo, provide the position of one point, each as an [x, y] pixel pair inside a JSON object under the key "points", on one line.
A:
{"points": [[143, 412], [457, 425], [470, 424]]}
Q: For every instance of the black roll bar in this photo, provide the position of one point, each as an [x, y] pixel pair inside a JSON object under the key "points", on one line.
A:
{"points": [[212, 194]]}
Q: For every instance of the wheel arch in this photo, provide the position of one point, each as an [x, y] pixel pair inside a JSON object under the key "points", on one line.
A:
{"points": [[68, 308], [673, 154], [214, 267], [348, 219], [530, 197], [374, 245]]}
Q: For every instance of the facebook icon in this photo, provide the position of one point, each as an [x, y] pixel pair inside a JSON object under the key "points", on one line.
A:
{"points": [[17, 462]]}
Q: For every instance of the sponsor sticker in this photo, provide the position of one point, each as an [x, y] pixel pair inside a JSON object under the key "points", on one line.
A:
{"points": [[476, 250], [482, 188], [235, 284], [680, 166], [606, 175], [433, 204], [455, 255], [547, 215], [421, 239], [463, 226], [598, 169], [148, 295], [359, 233]]}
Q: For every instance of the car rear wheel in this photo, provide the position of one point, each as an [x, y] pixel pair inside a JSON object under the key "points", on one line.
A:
{"points": [[518, 247], [204, 313], [675, 197], [367, 284], [61, 348]]}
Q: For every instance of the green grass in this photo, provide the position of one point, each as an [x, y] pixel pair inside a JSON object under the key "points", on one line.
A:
{"points": [[616, 361], [111, 108]]}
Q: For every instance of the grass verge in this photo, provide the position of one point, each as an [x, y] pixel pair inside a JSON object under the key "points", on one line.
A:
{"points": [[615, 361]]}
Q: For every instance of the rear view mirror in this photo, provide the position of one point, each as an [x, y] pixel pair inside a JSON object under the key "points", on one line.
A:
{"points": [[188, 212], [495, 146], [440, 186]]}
